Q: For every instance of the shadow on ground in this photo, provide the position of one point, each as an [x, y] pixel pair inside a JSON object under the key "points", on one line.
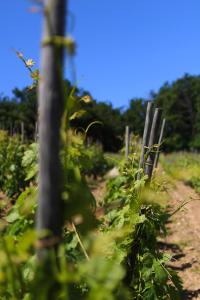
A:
{"points": [[177, 254], [187, 294]]}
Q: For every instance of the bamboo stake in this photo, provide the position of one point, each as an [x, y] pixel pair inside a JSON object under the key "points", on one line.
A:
{"points": [[127, 142], [131, 146], [147, 127], [152, 141], [22, 131], [159, 143], [11, 129]]}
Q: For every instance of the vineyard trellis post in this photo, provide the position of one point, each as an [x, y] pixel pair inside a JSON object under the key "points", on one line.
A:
{"points": [[159, 144], [127, 141], [152, 141], [50, 112], [146, 132], [36, 131], [11, 129], [22, 131], [131, 135]]}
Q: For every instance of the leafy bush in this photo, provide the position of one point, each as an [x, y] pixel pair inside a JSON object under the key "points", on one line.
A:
{"points": [[131, 210], [30, 162], [98, 163], [12, 173], [90, 159], [18, 163]]}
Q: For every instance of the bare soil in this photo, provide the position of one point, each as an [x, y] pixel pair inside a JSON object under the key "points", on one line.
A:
{"points": [[99, 190], [183, 240]]}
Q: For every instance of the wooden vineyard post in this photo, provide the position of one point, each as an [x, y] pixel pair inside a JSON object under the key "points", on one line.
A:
{"points": [[36, 131], [49, 217], [11, 129], [152, 140], [159, 143], [22, 131], [127, 141], [131, 146], [146, 132]]}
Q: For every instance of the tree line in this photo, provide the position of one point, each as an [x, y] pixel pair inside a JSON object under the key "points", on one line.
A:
{"points": [[180, 101]]}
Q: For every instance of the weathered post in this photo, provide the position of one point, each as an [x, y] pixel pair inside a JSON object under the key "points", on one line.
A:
{"points": [[131, 146], [22, 131], [36, 131], [11, 129], [146, 132], [152, 140], [127, 141], [50, 112], [159, 143]]}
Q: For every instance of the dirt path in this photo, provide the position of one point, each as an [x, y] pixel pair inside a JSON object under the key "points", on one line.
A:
{"points": [[183, 240]]}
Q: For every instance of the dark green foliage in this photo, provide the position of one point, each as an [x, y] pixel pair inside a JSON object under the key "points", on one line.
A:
{"points": [[135, 114], [22, 108], [27, 107], [97, 164], [180, 102], [110, 132]]}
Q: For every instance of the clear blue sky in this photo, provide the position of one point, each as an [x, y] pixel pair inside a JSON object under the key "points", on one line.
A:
{"points": [[125, 47]]}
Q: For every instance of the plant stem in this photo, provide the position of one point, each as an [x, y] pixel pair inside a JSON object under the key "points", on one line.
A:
{"points": [[80, 242]]}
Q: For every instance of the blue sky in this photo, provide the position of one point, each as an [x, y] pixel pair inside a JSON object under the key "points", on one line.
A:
{"points": [[125, 47]]}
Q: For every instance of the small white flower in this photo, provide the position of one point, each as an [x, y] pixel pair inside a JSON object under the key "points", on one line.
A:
{"points": [[30, 63]]}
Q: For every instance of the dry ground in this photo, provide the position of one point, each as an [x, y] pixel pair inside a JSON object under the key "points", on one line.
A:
{"points": [[183, 240]]}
